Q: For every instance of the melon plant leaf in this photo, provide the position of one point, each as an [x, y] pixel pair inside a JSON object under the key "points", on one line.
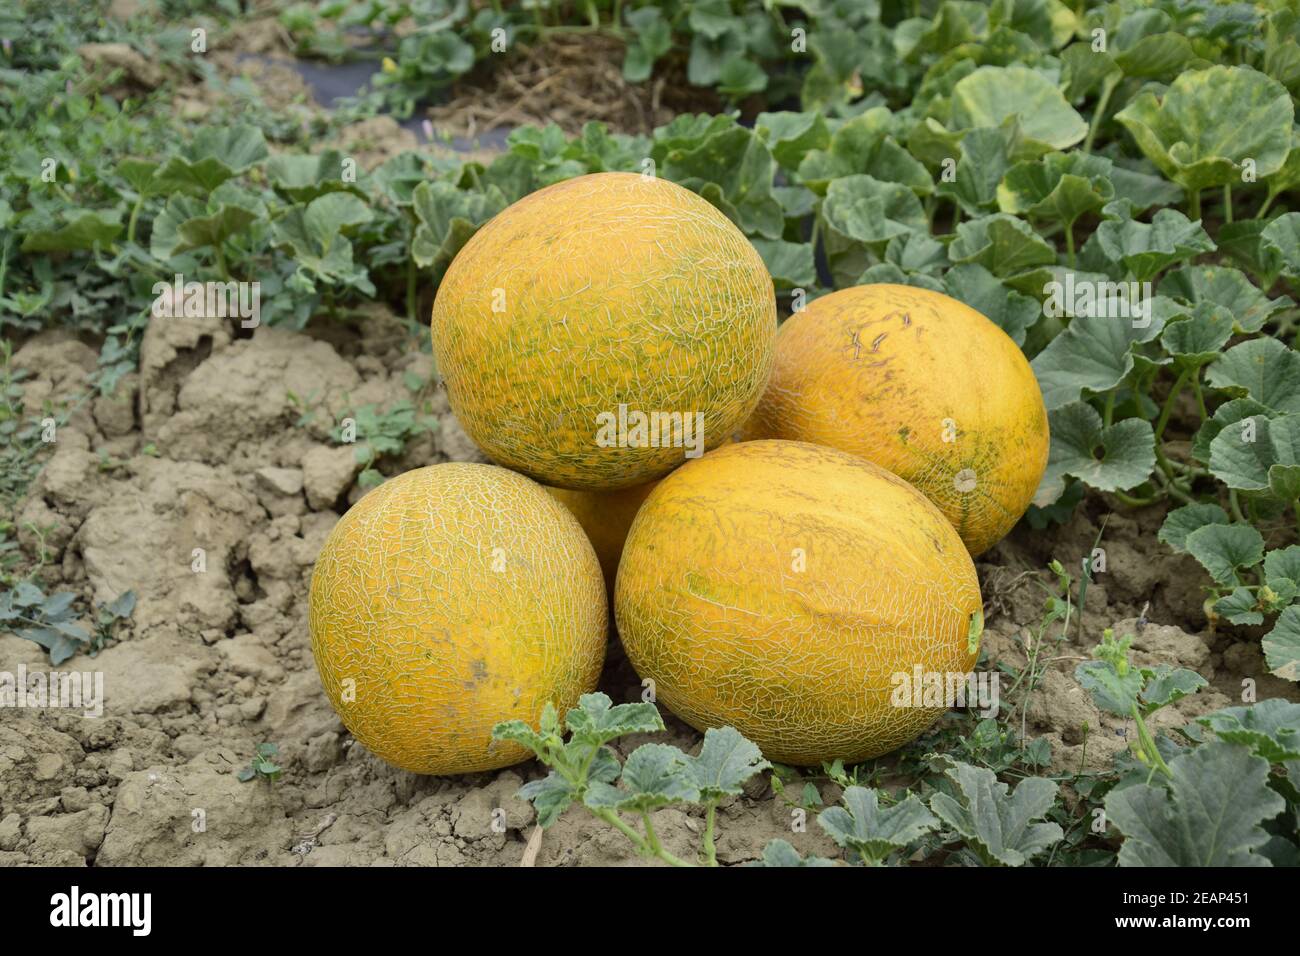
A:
{"points": [[653, 776], [1210, 815], [651, 37], [985, 158], [1060, 187], [1281, 238], [550, 796], [1270, 728], [982, 291], [997, 824], [139, 174], [1165, 685], [781, 853], [864, 145], [1263, 369], [83, 229], [1199, 338], [1243, 241], [862, 825], [1002, 244], [791, 263], [1282, 573], [448, 218], [1282, 645], [1228, 414], [59, 646], [302, 178], [1093, 353], [1223, 549], [1226, 287], [217, 154], [992, 93], [1147, 248], [1239, 607], [597, 720], [1209, 122], [1259, 454], [872, 211], [724, 763], [1127, 449], [1181, 522], [791, 136], [1110, 690]]}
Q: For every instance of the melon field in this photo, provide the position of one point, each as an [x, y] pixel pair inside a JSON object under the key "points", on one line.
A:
{"points": [[461, 433]]}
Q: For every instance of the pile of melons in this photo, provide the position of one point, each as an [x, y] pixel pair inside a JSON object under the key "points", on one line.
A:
{"points": [[783, 522]]}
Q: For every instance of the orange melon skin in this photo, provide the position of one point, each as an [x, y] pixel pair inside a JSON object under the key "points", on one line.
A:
{"points": [[605, 290], [450, 599], [606, 517], [778, 587], [923, 386]]}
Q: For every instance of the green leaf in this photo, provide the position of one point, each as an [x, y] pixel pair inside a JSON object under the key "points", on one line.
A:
{"points": [[654, 775], [1060, 187], [1223, 549], [992, 93], [982, 291], [1209, 122], [448, 218], [1282, 573], [1210, 815], [1281, 237], [791, 136], [1282, 645], [1263, 458], [781, 853], [218, 153], [1239, 607], [998, 825], [1225, 287], [724, 763], [550, 797], [1093, 353], [652, 38], [1147, 248], [1127, 449], [82, 230], [1166, 685], [303, 178], [1181, 522], [1229, 413], [790, 263], [1001, 243], [1263, 369], [1198, 339], [596, 720], [59, 646], [1110, 690], [861, 824], [1270, 728], [985, 157], [863, 145], [872, 211]]}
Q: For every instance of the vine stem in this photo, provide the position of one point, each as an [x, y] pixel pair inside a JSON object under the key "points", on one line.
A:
{"points": [[1107, 88], [1227, 202], [1149, 746], [710, 851], [1194, 204], [652, 838], [1268, 201]]}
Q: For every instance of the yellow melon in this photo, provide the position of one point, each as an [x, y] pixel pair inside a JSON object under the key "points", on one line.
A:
{"points": [[781, 588], [922, 385], [590, 303], [447, 600], [606, 516]]}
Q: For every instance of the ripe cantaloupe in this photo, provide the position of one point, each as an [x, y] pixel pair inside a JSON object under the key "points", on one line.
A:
{"points": [[606, 516], [778, 587], [605, 291], [447, 600], [922, 385]]}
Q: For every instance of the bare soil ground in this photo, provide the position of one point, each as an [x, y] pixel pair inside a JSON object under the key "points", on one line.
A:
{"points": [[214, 663]]}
